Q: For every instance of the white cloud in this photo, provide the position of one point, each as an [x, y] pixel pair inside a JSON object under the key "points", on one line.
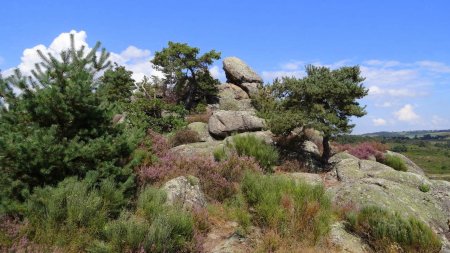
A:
{"points": [[217, 72], [292, 65], [379, 122], [406, 113], [135, 59], [379, 63], [438, 67], [385, 104], [437, 121]]}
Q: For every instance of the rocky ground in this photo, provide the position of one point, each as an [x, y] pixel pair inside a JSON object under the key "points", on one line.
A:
{"points": [[350, 181]]}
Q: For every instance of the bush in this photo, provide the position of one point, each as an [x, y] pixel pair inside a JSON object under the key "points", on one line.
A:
{"points": [[249, 145], [155, 227], [202, 117], [400, 148], [73, 213], [218, 179], [291, 209], [384, 230], [184, 136], [424, 187], [365, 150], [395, 162]]}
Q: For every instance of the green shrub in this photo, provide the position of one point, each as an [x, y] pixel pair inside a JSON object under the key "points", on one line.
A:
{"points": [[220, 154], [74, 212], [249, 145], [184, 136], [395, 162], [400, 148], [291, 209], [384, 230], [154, 227], [424, 187]]}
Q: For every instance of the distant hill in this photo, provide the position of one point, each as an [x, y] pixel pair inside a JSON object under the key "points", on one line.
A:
{"points": [[410, 134]]}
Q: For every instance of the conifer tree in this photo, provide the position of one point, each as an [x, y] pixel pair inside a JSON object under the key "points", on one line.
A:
{"points": [[187, 72], [52, 126], [325, 100]]}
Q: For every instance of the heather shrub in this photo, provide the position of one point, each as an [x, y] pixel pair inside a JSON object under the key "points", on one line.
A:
{"points": [[184, 136], [217, 179], [365, 150], [291, 209], [384, 230], [249, 145], [395, 162]]}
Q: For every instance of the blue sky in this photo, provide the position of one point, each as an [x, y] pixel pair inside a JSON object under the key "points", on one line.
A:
{"points": [[403, 47]]}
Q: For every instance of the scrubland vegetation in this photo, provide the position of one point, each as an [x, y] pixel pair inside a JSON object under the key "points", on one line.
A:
{"points": [[74, 181]]}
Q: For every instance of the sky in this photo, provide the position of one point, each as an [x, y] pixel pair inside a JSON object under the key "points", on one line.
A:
{"points": [[402, 47]]}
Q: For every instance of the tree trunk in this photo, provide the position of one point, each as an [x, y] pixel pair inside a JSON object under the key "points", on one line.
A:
{"points": [[326, 149]]}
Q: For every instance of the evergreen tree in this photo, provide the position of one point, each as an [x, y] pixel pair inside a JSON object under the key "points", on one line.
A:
{"points": [[325, 100], [188, 73], [52, 126]]}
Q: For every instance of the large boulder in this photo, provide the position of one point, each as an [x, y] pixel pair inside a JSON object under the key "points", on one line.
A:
{"points": [[186, 192], [239, 73], [364, 182], [197, 149], [266, 136], [224, 123], [345, 241], [233, 98]]}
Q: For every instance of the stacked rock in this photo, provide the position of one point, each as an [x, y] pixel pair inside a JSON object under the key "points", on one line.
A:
{"points": [[235, 112]]}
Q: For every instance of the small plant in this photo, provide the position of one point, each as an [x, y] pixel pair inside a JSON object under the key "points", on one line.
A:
{"points": [[184, 136], [384, 230], [220, 154], [249, 145], [400, 148], [395, 162], [424, 187], [202, 117], [291, 209]]}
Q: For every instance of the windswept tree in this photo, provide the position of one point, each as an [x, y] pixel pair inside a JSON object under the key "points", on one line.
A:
{"points": [[52, 126], [187, 72], [325, 100]]}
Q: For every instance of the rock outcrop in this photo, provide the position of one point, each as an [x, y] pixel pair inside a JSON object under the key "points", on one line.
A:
{"points": [[239, 73], [224, 123], [364, 182], [233, 98], [185, 191]]}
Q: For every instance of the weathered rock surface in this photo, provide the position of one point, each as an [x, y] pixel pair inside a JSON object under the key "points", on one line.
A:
{"points": [[311, 147], [233, 98], [237, 71], [185, 191], [119, 119], [310, 178], [197, 149], [223, 123], [364, 182], [345, 241], [202, 129], [224, 239]]}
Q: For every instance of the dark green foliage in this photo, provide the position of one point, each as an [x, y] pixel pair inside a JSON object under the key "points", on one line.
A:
{"points": [[188, 72], [249, 145], [400, 148], [324, 100], [383, 230], [155, 227], [291, 209], [55, 127], [115, 88], [155, 114], [395, 162]]}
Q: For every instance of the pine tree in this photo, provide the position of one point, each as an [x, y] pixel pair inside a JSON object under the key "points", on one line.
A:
{"points": [[188, 73], [52, 126]]}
